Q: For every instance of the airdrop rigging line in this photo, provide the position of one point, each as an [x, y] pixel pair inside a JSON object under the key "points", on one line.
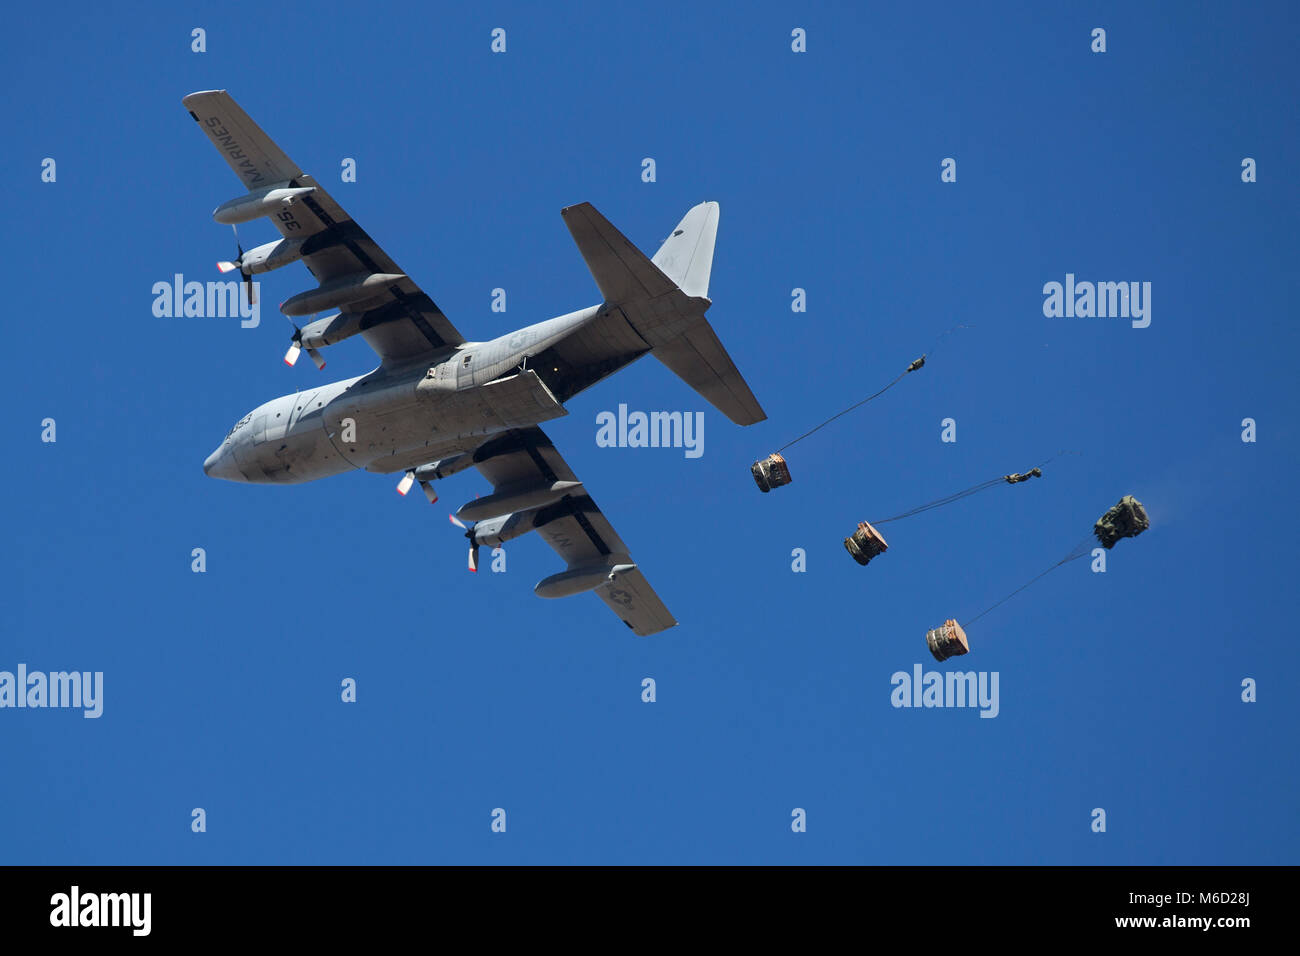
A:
{"points": [[940, 502], [1013, 479], [1080, 551], [911, 368]]}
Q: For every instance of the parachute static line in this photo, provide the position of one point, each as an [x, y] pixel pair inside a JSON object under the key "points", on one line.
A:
{"points": [[1012, 479], [866, 542], [773, 471], [918, 363], [1081, 550], [1127, 519], [950, 640]]}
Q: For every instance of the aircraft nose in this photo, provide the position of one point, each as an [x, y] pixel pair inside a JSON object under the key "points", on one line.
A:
{"points": [[221, 464]]}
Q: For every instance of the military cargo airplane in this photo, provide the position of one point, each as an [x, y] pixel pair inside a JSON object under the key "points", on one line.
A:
{"points": [[438, 404]]}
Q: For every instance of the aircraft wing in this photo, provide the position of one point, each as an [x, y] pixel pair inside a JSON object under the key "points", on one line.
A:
{"points": [[577, 529], [400, 321]]}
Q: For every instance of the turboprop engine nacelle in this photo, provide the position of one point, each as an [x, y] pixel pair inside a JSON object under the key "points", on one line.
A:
{"points": [[516, 498], [255, 205], [339, 292], [494, 532], [330, 330], [443, 467], [576, 580], [273, 255]]}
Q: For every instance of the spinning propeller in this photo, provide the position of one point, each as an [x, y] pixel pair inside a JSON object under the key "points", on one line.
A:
{"points": [[296, 346], [238, 263], [408, 479], [473, 543]]}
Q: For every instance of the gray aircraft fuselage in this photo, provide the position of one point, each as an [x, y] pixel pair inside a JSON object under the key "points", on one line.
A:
{"points": [[398, 417]]}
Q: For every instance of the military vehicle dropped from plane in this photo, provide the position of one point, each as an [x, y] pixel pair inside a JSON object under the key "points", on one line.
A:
{"points": [[438, 404]]}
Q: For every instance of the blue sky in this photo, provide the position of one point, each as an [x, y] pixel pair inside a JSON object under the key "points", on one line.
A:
{"points": [[1119, 690]]}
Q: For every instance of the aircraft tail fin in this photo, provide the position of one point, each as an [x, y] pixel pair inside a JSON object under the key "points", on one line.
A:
{"points": [[686, 256], [664, 300]]}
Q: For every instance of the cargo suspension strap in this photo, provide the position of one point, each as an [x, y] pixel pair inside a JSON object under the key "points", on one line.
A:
{"points": [[1082, 550], [911, 368], [940, 502], [975, 489]]}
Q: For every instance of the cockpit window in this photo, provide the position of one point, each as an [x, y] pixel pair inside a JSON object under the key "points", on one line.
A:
{"points": [[240, 424]]}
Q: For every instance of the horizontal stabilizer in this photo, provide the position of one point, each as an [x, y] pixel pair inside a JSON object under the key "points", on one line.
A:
{"points": [[699, 360], [621, 270], [664, 300]]}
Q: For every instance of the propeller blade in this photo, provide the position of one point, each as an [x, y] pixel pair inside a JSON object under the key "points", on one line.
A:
{"points": [[458, 523], [224, 267], [404, 485], [473, 558], [427, 487], [317, 358], [252, 289], [291, 356]]}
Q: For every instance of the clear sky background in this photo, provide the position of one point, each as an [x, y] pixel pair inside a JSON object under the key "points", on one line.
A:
{"points": [[1119, 690]]}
